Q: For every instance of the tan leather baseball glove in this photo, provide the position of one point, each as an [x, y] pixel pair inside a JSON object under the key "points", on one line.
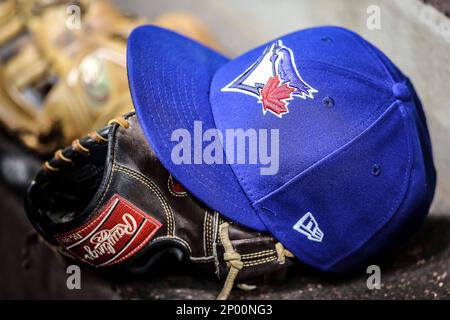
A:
{"points": [[62, 67]]}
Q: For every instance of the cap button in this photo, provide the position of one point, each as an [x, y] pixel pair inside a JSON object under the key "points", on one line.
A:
{"points": [[401, 91]]}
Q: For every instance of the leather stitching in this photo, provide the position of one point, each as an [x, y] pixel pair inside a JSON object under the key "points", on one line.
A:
{"points": [[205, 244], [258, 254], [258, 262], [149, 184]]}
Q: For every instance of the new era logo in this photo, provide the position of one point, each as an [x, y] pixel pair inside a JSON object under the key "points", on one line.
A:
{"points": [[308, 226]]}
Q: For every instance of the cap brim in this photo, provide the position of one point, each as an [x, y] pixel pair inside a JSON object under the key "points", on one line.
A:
{"points": [[170, 77]]}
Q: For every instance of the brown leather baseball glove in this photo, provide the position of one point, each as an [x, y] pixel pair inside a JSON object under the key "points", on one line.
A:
{"points": [[107, 201], [62, 67]]}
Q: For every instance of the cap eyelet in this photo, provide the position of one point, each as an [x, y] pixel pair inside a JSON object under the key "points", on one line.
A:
{"points": [[376, 170], [328, 102], [327, 39]]}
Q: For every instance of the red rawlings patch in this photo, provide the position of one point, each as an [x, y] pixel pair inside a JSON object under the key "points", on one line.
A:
{"points": [[113, 235]]}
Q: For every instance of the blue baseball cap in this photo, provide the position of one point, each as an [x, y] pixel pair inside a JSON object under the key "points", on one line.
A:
{"points": [[355, 175]]}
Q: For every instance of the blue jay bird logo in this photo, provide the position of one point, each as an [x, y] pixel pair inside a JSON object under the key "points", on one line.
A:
{"points": [[273, 79]]}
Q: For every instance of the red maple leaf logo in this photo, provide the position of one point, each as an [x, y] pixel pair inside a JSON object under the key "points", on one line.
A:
{"points": [[274, 96]]}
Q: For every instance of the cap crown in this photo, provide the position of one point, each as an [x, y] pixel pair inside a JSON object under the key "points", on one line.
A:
{"points": [[354, 152]]}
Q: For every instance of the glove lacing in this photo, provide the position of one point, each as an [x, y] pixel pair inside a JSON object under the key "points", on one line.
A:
{"points": [[234, 260], [80, 148]]}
